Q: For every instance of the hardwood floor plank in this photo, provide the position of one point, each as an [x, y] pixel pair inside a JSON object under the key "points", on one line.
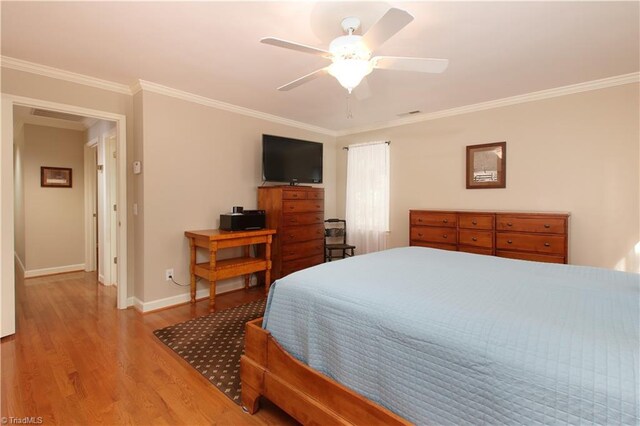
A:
{"points": [[76, 359]]}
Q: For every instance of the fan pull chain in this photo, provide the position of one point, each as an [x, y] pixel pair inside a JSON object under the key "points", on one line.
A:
{"points": [[349, 113]]}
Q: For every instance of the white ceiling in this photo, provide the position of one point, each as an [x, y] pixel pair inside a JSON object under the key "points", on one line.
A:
{"points": [[496, 50]]}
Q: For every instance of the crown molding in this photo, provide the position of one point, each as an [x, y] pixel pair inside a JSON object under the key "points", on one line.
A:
{"points": [[44, 70], [31, 67], [47, 71], [498, 103], [190, 97]]}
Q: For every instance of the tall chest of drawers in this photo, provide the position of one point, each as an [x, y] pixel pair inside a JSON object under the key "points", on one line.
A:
{"points": [[541, 237], [297, 215]]}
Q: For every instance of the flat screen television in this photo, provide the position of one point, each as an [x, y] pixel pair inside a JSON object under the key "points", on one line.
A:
{"points": [[291, 160]]}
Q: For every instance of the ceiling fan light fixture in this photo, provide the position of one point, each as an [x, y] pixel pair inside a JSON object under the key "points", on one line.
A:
{"points": [[350, 72]]}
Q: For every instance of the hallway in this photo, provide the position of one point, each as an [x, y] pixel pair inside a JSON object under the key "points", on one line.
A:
{"points": [[76, 359]]}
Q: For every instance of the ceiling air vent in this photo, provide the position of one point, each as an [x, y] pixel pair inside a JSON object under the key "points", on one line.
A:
{"points": [[405, 114], [57, 115]]}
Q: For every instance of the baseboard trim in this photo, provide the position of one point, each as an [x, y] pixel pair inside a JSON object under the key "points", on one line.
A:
{"points": [[52, 271], [20, 264], [180, 299]]}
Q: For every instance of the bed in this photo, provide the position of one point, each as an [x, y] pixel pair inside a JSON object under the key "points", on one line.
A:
{"points": [[418, 335]]}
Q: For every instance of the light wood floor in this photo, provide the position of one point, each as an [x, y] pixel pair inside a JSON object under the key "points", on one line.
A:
{"points": [[75, 359]]}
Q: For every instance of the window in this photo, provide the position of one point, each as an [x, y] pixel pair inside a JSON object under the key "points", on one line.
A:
{"points": [[367, 212]]}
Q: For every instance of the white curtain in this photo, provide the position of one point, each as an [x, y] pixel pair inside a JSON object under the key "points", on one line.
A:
{"points": [[367, 212]]}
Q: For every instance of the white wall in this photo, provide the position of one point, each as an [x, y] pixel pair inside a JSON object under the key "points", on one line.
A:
{"points": [[576, 153], [199, 162], [54, 217]]}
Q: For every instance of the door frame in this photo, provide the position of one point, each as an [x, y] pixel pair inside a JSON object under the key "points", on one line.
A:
{"points": [[7, 273]]}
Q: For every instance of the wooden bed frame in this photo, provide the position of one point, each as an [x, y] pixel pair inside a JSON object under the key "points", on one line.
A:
{"points": [[266, 369]]}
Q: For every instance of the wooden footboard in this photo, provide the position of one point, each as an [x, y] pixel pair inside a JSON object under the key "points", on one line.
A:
{"points": [[266, 369]]}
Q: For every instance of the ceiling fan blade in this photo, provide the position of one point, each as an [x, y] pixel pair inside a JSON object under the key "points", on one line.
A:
{"points": [[304, 79], [390, 23], [296, 46], [362, 90], [410, 64]]}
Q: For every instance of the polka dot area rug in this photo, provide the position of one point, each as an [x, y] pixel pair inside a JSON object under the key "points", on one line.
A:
{"points": [[213, 344]]}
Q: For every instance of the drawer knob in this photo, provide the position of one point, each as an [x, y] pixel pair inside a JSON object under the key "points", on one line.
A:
{"points": [[474, 222], [290, 235], [419, 220], [444, 236], [509, 242], [474, 239], [291, 207], [445, 221], [419, 235], [546, 225], [547, 244], [509, 224]]}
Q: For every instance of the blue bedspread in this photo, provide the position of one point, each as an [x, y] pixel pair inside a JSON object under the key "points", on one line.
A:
{"points": [[454, 338]]}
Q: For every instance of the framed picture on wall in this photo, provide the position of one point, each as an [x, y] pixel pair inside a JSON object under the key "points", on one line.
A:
{"points": [[487, 165], [55, 177]]}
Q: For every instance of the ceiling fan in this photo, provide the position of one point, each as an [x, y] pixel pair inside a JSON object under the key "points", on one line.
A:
{"points": [[351, 54]]}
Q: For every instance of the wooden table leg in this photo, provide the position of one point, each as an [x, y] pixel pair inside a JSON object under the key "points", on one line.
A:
{"points": [[247, 277], [192, 269], [212, 277], [267, 272]]}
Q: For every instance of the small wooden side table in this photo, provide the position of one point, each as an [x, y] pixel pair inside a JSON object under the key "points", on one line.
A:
{"points": [[214, 270]]}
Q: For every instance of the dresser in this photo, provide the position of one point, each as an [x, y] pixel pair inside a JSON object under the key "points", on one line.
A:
{"points": [[297, 215], [542, 237]]}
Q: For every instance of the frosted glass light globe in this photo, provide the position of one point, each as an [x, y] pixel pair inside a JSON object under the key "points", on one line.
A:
{"points": [[350, 72]]}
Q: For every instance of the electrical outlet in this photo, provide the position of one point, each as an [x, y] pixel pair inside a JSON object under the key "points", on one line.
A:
{"points": [[168, 274]]}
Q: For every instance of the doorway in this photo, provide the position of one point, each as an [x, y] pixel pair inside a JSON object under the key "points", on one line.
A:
{"points": [[102, 202], [7, 246]]}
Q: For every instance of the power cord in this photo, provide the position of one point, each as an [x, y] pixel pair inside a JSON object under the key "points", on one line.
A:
{"points": [[181, 285]]}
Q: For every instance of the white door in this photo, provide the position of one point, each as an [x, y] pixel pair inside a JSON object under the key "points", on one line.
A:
{"points": [[113, 214]]}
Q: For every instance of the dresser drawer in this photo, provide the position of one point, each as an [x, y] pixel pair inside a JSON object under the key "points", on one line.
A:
{"points": [[548, 225], [531, 256], [292, 251], [475, 221], [476, 250], [293, 219], [294, 195], [315, 195], [428, 218], [451, 247], [433, 234], [299, 206], [476, 238], [550, 244], [290, 266], [294, 234]]}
